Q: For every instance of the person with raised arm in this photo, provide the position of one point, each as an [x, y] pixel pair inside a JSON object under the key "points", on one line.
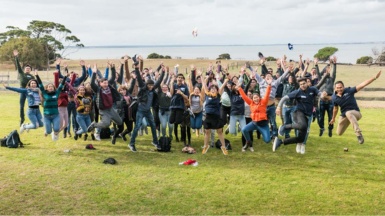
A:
{"points": [[350, 112], [24, 77], [32, 93], [50, 96]]}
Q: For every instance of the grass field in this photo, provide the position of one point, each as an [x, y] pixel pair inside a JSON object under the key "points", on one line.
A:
{"points": [[43, 179]]}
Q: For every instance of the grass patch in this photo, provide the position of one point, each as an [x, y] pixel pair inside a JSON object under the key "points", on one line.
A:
{"points": [[42, 179]]}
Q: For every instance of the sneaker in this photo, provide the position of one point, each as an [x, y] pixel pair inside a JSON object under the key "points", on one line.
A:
{"points": [[360, 139], [140, 132], [239, 128], [303, 148], [55, 137], [251, 149], [113, 140], [276, 144], [132, 147], [69, 134], [321, 131], [92, 136], [298, 148], [224, 150], [205, 148], [22, 128], [244, 147], [97, 137], [76, 136], [85, 137], [330, 132], [281, 130], [123, 137], [91, 127], [156, 145]]}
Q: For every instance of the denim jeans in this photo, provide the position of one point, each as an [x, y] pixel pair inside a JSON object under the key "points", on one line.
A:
{"points": [[233, 123], [271, 116], [265, 131], [164, 121], [140, 114], [35, 117], [325, 106], [196, 123], [52, 122], [23, 97], [84, 121], [287, 113]]}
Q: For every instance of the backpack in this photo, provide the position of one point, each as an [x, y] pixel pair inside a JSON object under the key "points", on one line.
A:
{"points": [[164, 144], [218, 144], [12, 140], [105, 133]]}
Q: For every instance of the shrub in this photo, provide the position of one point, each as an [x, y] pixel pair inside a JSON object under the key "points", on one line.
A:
{"points": [[271, 58], [364, 60], [224, 56], [324, 53], [157, 56]]}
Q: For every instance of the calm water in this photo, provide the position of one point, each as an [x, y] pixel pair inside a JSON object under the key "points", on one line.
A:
{"points": [[347, 53]]}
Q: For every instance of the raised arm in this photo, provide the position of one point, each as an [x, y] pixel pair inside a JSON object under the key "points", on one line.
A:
{"points": [[94, 86], [159, 81], [367, 82], [244, 96], [223, 86], [18, 66]]}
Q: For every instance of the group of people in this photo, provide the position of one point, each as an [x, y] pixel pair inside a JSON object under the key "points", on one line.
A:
{"points": [[203, 102]]}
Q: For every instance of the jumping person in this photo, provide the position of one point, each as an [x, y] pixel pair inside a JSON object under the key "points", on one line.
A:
{"points": [[24, 76], [350, 113]]}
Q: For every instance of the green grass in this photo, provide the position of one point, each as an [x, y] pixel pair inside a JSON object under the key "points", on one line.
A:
{"points": [[42, 179]]}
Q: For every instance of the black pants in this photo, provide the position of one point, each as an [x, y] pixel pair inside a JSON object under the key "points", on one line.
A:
{"points": [[129, 126], [300, 121], [225, 114], [176, 116], [155, 113]]}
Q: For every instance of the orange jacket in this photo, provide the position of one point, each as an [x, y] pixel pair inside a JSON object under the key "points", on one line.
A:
{"points": [[258, 111]]}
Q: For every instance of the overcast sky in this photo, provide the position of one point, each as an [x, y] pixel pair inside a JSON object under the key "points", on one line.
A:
{"points": [[219, 22]]}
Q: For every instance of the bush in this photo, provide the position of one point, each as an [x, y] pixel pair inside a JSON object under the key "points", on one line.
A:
{"points": [[364, 60], [324, 53], [224, 56], [271, 58], [157, 56]]}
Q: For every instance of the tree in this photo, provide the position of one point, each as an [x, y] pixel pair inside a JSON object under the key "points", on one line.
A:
{"points": [[324, 53], [157, 56], [364, 60], [224, 56], [379, 57], [54, 37], [271, 58], [29, 51]]}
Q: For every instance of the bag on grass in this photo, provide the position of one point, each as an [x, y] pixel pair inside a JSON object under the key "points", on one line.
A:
{"points": [[12, 140], [218, 144], [164, 144], [105, 133]]}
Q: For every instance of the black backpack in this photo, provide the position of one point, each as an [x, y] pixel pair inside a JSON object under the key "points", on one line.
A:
{"points": [[218, 144], [164, 144], [12, 140], [105, 133]]}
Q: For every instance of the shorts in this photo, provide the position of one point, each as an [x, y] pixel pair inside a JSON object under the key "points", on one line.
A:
{"points": [[212, 122]]}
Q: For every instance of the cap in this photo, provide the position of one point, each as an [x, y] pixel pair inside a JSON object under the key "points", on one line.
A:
{"points": [[90, 147]]}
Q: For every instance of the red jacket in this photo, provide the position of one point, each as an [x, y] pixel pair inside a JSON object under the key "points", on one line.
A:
{"points": [[258, 111]]}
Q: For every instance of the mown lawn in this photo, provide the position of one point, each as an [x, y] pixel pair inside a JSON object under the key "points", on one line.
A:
{"points": [[42, 179]]}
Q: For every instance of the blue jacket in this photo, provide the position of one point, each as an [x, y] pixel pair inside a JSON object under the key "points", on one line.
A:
{"points": [[33, 97]]}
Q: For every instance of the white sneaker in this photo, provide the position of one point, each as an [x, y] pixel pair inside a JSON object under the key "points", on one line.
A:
{"points": [[22, 128], [251, 149], [140, 132], [55, 137], [97, 136], [303, 148], [298, 148]]}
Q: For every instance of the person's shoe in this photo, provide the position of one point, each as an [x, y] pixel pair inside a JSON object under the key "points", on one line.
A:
{"points": [[244, 147], [239, 128], [205, 148], [21, 121], [276, 144], [76, 136], [360, 139], [97, 137], [224, 150], [212, 145], [321, 131], [64, 135], [92, 136], [298, 148], [303, 148], [55, 137], [156, 145], [132, 147], [140, 132], [69, 134], [251, 149], [80, 135], [113, 140], [91, 127], [123, 137], [22, 128], [258, 135], [85, 137], [281, 130], [330, 132]]}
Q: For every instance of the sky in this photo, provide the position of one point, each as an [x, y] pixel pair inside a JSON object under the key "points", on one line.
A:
{"points": [[219, 22]]}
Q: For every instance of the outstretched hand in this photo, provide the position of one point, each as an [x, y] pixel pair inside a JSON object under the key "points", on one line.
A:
{"points": [[378, 75], [15, 53]]}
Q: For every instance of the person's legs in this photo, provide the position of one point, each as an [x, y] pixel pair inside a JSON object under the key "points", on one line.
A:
{"points": [[222, 139], [300, 122], [63, 112], [163, 122], [343, 124], [354, 116], [265, 131], [23, 97], [56, 123], [309, 121], [47, 124], [247, 129], [287, 118], [151, 122], [271, 116], [80, 118], [105, 119], [31, 113], [323, 106], [138, 125], [233, 122], [330, 115]]}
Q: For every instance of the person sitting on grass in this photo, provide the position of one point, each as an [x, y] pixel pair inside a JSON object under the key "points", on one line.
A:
{"points": [[350, 113]]}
